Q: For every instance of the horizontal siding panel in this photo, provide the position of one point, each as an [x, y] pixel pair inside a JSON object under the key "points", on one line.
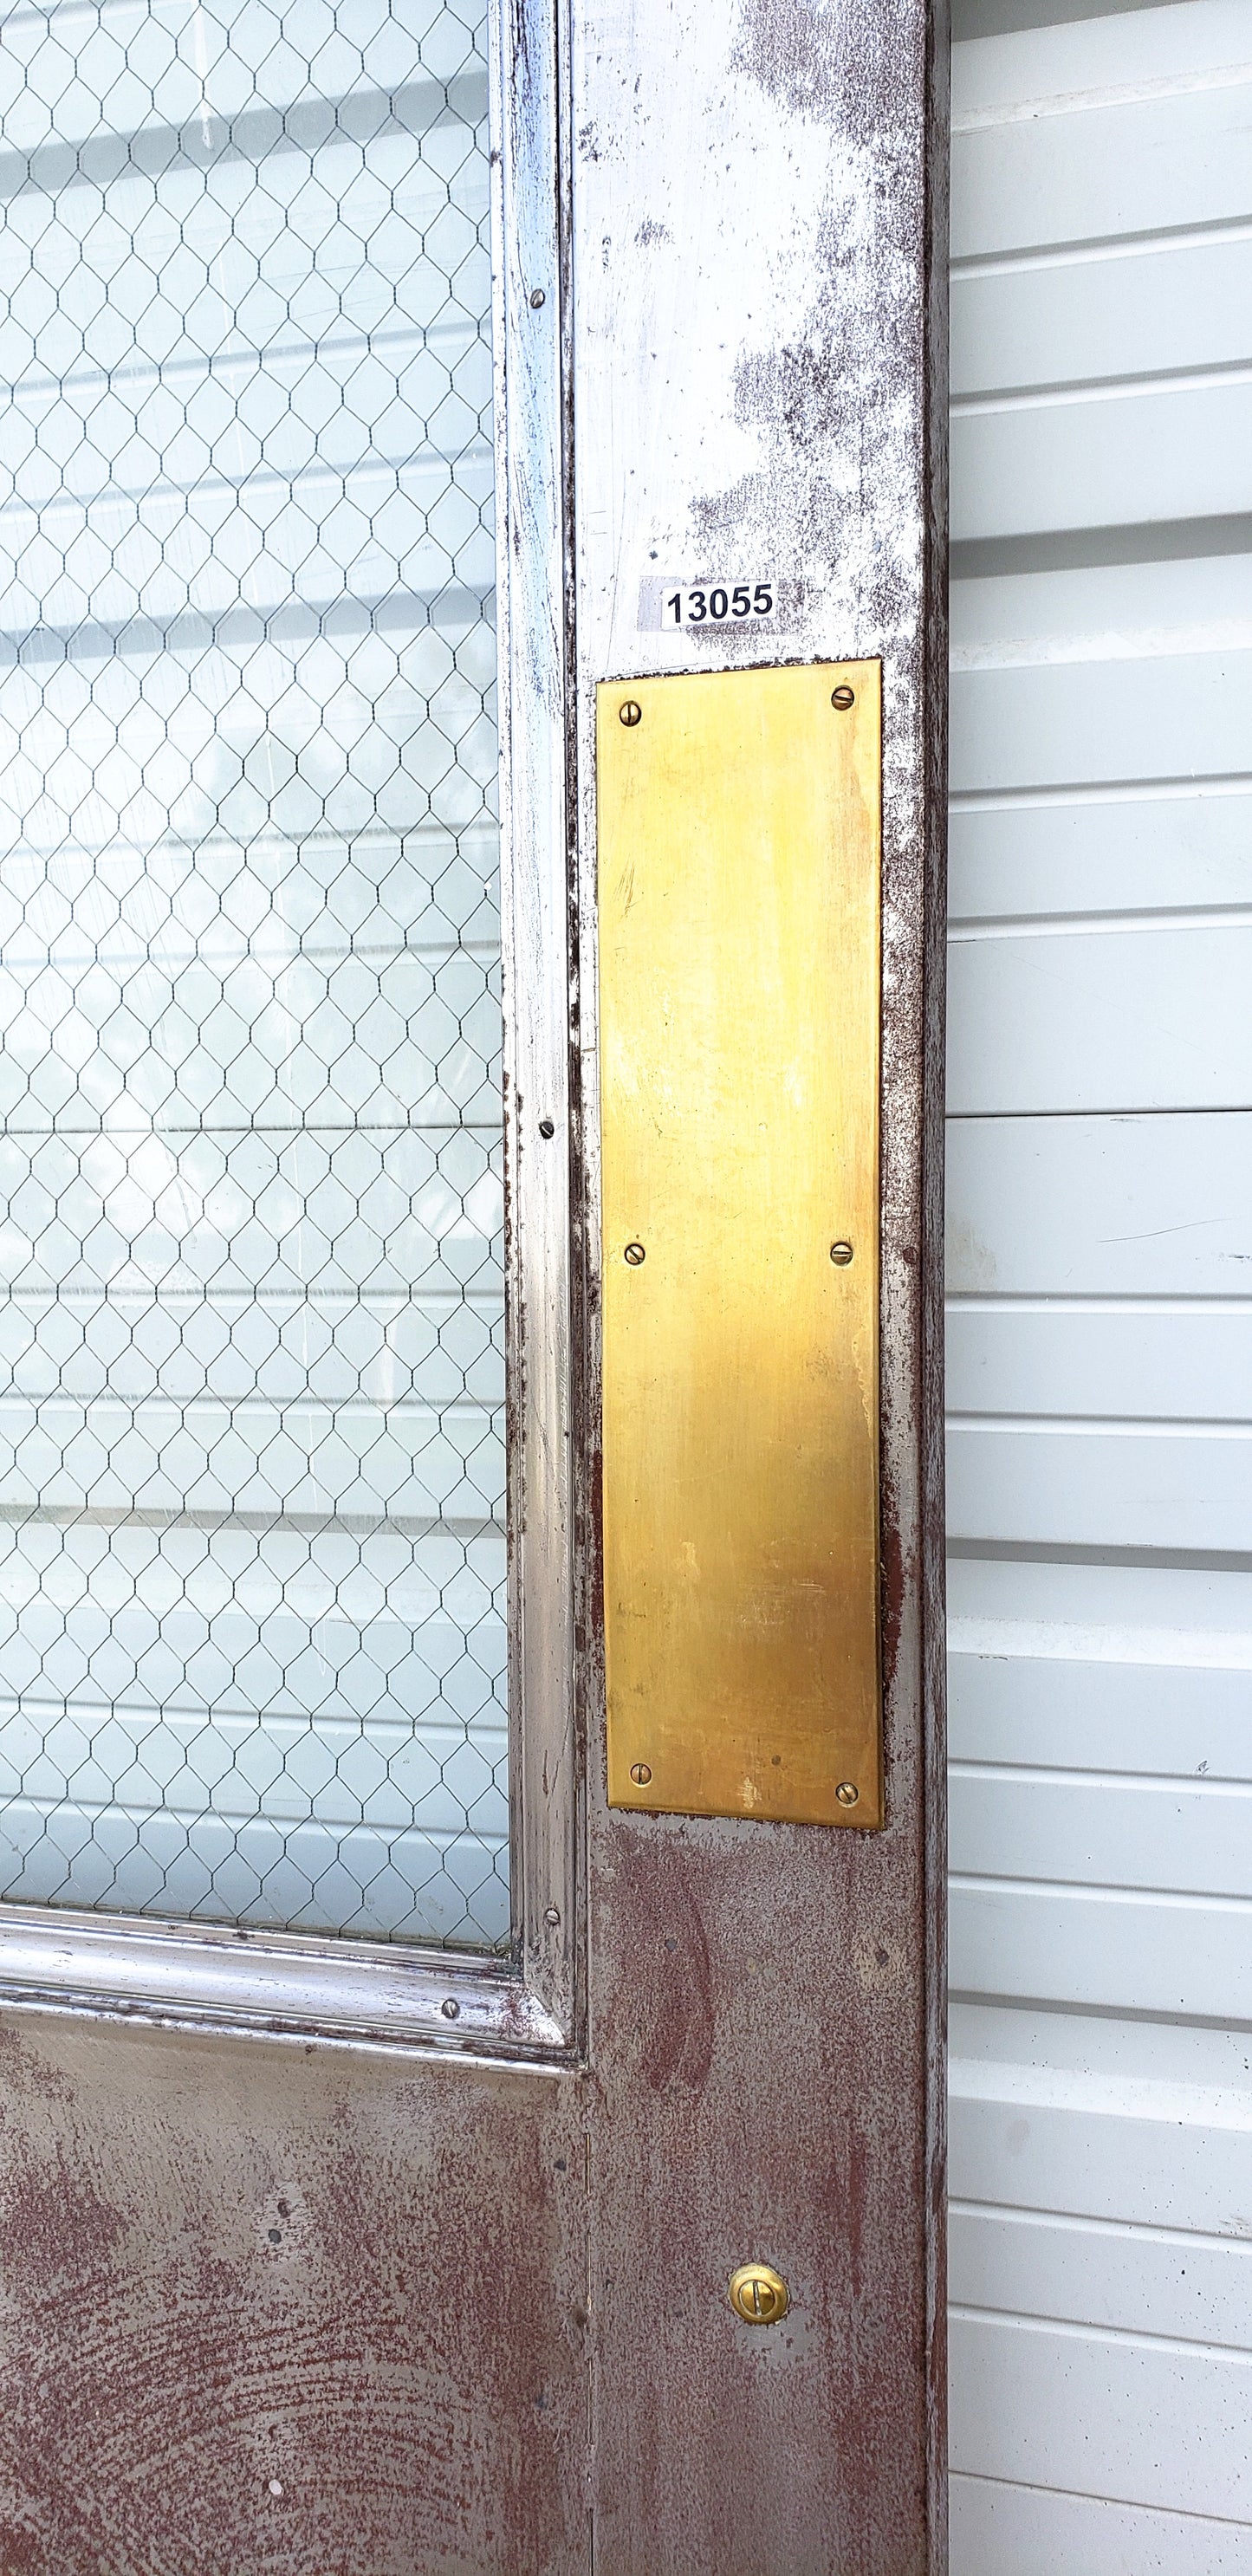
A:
{"points": [[1099, 2145], [1107, 613], [1099, 1488], [1036, 1606], [1103, 462], [1146, 2422], [1114, 1953], [1077, 1713], [999, 2529], [1187, 2287], [1162, 1835], [1176, 1366], [1099, 722], [1093, 320], [1060, 61], [1152, 1206], [1116, 2147], [1107, 1020], [1137, 854], [1148, 165]]}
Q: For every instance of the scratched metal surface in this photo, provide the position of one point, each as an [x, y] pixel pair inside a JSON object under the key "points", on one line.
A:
{"points": [[275, 2312], [486, 2330], [758, 359]]}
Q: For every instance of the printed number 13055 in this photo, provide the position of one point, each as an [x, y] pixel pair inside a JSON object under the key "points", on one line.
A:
{"points": [[718, 603]]}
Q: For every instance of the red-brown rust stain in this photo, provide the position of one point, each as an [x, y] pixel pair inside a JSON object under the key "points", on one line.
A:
{"points": [[24, 2073], [671, 1976], [406, 2362], [799, 2147], [22, 2553], [896, 1579], [53, 2227]]}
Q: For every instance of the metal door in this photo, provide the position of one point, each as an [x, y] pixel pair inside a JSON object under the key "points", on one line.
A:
{"points": [[385, 2111]]}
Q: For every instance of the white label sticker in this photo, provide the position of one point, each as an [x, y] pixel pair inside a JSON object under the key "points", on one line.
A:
{"points": [[747, 600]]}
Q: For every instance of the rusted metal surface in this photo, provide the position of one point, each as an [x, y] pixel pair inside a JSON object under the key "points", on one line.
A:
{"points": [[758, 203], [271, 2311]]}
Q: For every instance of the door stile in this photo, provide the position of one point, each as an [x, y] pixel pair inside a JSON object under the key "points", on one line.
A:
{"points": [[931, 1572], [759, 220], [530, 225]]}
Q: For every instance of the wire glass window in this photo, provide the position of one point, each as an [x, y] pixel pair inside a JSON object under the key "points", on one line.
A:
{"points": [[251, 1372]]}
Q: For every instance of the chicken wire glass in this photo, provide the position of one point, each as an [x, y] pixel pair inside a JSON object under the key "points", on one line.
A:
{"points": [[251, 1369]]}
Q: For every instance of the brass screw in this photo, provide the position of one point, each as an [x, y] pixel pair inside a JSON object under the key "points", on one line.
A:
{"points": [[641, 1773], [843, 697], [847, 1793], [450, 2008], [634, 1254], [841, 1254], [630, 712], [758, 2294]]}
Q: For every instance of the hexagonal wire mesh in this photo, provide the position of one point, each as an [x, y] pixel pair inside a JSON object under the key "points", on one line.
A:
{"points": [[251, 1471]]}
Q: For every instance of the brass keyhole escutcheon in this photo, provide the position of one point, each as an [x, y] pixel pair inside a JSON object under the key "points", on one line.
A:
{"points": [[759, 2294]]}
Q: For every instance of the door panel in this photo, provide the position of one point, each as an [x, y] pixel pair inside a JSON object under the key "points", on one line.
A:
{"points": [[1091, 462], [275, 2309]]}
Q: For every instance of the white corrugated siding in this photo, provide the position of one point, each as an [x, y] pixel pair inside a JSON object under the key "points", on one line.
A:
{"points": [[1100, 1268]]}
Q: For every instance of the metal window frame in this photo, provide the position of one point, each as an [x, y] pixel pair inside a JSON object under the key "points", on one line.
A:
{"points": [[410, 1996]]}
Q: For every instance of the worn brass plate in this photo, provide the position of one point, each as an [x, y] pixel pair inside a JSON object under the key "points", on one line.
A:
{"points": [[739, 911]]}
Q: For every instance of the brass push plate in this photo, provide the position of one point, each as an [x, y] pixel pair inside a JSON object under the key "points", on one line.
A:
{"points": [[739, 938]]}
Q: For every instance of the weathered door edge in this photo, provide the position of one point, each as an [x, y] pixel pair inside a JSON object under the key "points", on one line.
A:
{"points": [[760, 370], [933, 1563]]}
